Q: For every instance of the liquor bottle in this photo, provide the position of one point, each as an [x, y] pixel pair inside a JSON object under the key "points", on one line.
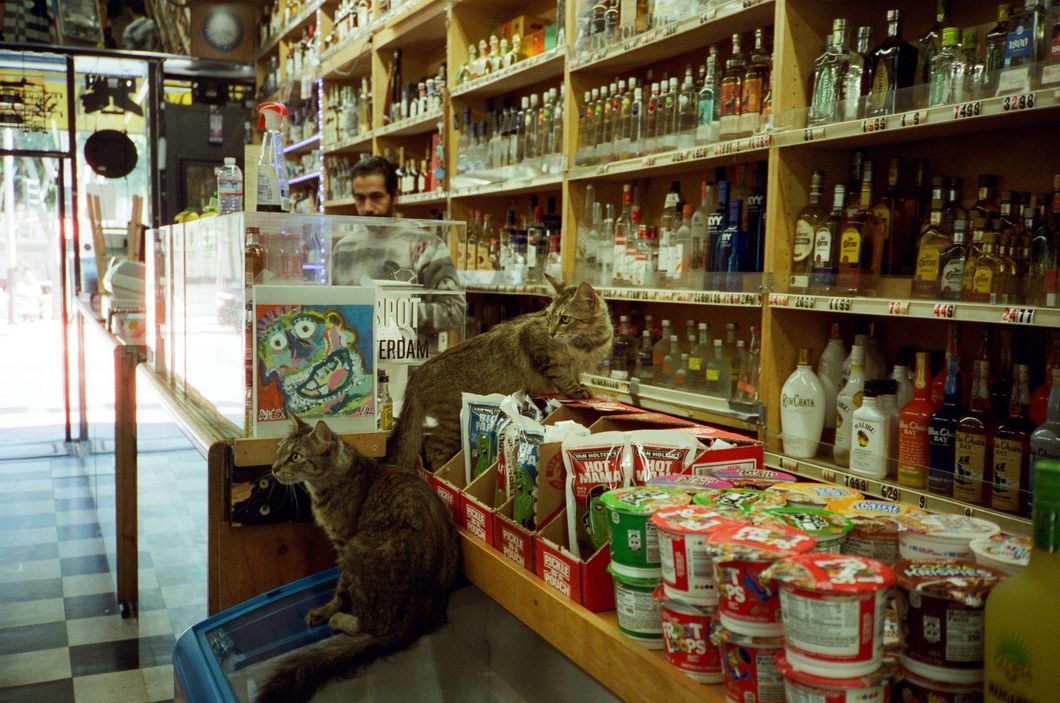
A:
{"points": [[732, 247], [392, 102], [1050, 74], [901, 375], [687, 114], [747, 381], [1023, 49], [942, 433], [718, 374], [830, 372], [989, 277], [929, 43], [1020, 651], [826, 245], [755, 256], [830, 78], [698, 227], [707, 126], [753, 87], [859, 243], [697, 358], [1011, 460], [623, 235], [1001, 387], [949, 70], [1045, 440], [985, 206], [974, 445], [732, 92], [802, 400], [869, 444], [875, 362], [645, 370], [933, 241], [671, 362], [1040, 397], [806, 223], [892, 68], [847, 401], [716, 224], [951, 265], [1045, 255], [913, 422], [995, 48], [975, 73], [953, 210], [666, 122]]}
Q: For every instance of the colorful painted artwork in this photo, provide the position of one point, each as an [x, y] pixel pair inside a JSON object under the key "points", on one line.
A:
{"points": [[314, 355]]}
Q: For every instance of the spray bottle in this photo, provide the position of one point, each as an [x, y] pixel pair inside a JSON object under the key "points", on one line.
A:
{"points": [[272, 172]]}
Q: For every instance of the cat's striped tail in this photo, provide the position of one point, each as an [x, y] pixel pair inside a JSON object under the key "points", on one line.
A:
{"points": [[296, 678], [406, 440]]}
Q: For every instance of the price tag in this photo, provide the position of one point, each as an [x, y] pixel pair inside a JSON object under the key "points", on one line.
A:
{"points": [[1018, 316], [724, 148], [778, 300], [965, 110], [874, 124], [891, 493], [1023, 101], [856, 482], [828, 475], [922, 502], [680, 156], [811, 134], [840, 304], [898, 307], [600, 170], [700, 153], [915, 118], [945, 310], [648, 161], [708, 16], [805, 302], [788, 464], [761, 141], [670, 30]]}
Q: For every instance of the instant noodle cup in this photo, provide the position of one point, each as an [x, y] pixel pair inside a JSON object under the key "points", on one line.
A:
{"points": [[736, 502], [687, 639], [687, 569], [634, 541], [940, 615], [1007, 553], [749, 667], [911, 687], [815, 495], [693, 483], [874, 538], [743, 477], [636, 609], [942, 536], [833, 607], [828, 528], [802, 687], [746, 604], [873, 507]]}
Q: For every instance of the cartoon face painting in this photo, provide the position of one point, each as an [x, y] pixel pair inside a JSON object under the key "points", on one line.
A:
{"points": [[312, 355]]}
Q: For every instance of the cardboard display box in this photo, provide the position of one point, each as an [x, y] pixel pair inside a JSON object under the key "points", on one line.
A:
{"points": [[585, 581], [511, 539]]}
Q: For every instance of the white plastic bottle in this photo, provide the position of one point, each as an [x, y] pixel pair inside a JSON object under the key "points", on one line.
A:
{"points": [[230, 187], [860, 340], [870, 428], [904, 391], [802, 410], [888, 402], [849, 400], [830, 372]]}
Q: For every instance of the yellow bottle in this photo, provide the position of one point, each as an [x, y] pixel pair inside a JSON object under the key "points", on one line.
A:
{"points": [[1021, 648]]}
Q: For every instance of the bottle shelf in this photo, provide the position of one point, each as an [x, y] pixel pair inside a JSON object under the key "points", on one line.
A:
{"points": [[428, 198], [474, 283], [679, 160], [680, 37], [420, 124], [519, 75], [1018, 315], [694, 406], [421, 23], [341, 61], [1009, 113], [822, 470], [305, 178], [512, 186], [360, 142], [308, 13], [339, 203], [303, 146]]}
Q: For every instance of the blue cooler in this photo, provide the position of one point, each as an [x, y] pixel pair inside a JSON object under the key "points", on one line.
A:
{"points": [[224, 658]]}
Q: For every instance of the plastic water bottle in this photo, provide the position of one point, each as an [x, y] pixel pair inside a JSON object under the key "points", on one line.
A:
{"points": [[230, 187]]}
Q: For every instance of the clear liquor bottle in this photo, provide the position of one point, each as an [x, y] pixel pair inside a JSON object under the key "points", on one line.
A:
{"points": [[671, 362], [1023, 49], [753, 87], [948, 71], [732, 92], [699, 234], [621, 239], [858, 243], [622, 124], [1045, 255], [747, 382], [975, 73], [995, 48], [892, 71], [826, 240], [933, 241], [718, 374], [930, 43], [697, 359], [830, 78], [687, 112], [716, 224], [651, 118], [707, 125]]}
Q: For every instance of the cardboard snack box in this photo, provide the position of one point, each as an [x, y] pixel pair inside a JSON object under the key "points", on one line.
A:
{"points": [[476, 505], [511, 539], [746, 453], [448, 481], [585, 581]]}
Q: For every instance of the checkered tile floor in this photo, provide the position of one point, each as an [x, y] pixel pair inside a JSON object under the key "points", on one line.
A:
{"points": [[61, 636]]}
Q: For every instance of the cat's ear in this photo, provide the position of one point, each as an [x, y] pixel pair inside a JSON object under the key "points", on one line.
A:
{"points": [[299, 423], [323, 432], [586, 295], [557, 285]]}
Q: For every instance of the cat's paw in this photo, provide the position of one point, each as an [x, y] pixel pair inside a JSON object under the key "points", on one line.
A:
{"points": [[581, 393], [319, 616], [345, 623]]}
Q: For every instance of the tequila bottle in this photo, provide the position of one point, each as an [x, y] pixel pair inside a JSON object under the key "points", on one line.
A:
{"points": [[948, 69], [951, 265], [859, 242], [831, 81], [974, 445], [806, 224], [930, 43], [933, 241], [995, 48], [732, 92], [826, 245], [892, 70], [706, 125], [989, 282], [1023, 49]]}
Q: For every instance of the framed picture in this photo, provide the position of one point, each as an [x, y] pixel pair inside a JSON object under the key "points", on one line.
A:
{"points": [[314, 355]]}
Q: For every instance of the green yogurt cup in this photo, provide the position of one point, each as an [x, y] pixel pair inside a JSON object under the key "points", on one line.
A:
{"points": [[634, 539]]}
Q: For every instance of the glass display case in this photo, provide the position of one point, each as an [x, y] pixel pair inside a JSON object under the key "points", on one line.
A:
{"points": [[297, 308]]}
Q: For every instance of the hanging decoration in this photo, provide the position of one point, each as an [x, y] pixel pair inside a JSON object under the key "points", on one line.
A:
{"points": [[111, 95], [27, 104]]}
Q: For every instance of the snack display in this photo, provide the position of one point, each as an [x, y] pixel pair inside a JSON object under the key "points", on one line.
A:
{"points": [[594, 464], [749, 667], [693, 483], [828, 528], [687, 568], [942, 536], [801, 687], [743, 477], [738, 502], [1007, 553], [637, 611], [687, 640], [660, 452], [634, 538], [814, 495], [480, 417], [875, 537]]}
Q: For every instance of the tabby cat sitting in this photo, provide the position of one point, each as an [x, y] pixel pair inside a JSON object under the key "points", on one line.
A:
{"points": [[397, 554], [543, 351]]}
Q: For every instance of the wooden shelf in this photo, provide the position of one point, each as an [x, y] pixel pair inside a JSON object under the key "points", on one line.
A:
{"points": [[340, 203], [694, 406], [519, 75], [302, 18], [261, 451], [679, 160], [513, 186], [361, 142], [303, 146], [820, 469], [691, 33], [989, 114], [590, 640], [428, 198], [1017, 315], [647, 295], [423, 23], [340, 62], [420, 124]]}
